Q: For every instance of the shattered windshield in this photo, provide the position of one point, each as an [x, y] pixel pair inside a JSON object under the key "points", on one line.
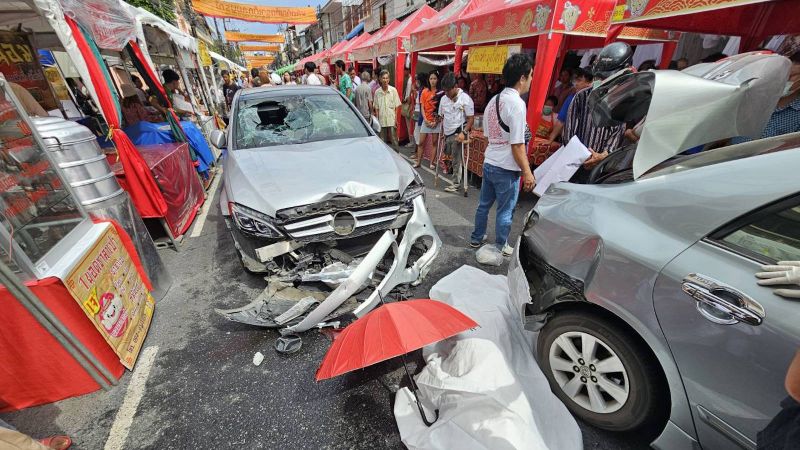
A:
{"points": [[295, 119]]}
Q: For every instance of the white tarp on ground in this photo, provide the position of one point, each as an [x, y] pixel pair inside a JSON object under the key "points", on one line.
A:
{"points": [[485, 382]]}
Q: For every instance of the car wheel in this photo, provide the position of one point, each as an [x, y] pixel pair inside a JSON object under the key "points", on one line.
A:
{"points": [[599, 372]]}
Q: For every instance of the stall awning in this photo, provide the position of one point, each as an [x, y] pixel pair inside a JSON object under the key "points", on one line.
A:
{"points": [[398, 39], [366, 50], [441, 30], [226, 61], [750, 18], [498, 20], [354, 32], [344, 52], [144, 17]]}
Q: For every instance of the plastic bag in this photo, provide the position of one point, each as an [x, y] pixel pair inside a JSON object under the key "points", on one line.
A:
{"points": [[489, 255], [108, 22]]}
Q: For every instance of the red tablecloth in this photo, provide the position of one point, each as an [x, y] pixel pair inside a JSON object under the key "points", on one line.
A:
{"points": [[34, 368], [177, 179]]}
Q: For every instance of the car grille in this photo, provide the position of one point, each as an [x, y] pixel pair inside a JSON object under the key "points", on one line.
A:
{"points": [[313, 223]]}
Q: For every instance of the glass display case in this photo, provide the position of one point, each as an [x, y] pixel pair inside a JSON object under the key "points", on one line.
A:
{"points": [[40, 217]]}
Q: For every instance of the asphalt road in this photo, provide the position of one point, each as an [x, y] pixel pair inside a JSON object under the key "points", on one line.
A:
{"points": [[203, 390]]}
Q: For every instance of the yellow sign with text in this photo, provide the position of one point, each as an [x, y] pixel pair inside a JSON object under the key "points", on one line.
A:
{"points": [[255, 13], [235, 36], [491, 58], [205, 57], [113, 296]]}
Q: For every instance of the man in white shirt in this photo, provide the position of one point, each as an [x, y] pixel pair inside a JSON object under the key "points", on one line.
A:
{"points": [[505, 158], [458, 113], [354, 76], [385, 103], [310, 77]]}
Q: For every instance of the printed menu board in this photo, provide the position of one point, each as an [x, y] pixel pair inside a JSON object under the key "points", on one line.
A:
{"points": [[107, 286]]}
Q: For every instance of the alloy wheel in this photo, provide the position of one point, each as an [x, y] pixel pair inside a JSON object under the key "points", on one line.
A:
{"points": [[589, 372]]}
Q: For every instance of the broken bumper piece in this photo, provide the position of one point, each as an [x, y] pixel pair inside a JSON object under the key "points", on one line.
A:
{"points": [[282, 304]]}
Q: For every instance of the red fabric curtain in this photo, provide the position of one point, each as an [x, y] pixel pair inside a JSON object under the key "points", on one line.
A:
{"points": [[667, 53], [546, 53], [141, 185]]}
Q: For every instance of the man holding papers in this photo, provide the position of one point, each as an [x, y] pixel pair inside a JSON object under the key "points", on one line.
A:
{"points": [[505, 158]]}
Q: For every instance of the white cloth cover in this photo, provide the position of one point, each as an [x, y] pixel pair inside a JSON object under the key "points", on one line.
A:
{"points": [[647, 51], [488, 389]]}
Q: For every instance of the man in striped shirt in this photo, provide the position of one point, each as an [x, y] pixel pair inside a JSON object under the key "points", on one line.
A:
{"points": [[600, 140]]}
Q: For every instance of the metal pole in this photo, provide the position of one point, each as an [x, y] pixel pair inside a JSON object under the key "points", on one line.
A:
{"points": [[46, 319]]}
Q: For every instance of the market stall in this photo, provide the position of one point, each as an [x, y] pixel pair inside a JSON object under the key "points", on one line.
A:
{"points": [[392, 48], [364, 53], [545, 27], [753, 20], [74, 294], [344, 52], [59, 31]]}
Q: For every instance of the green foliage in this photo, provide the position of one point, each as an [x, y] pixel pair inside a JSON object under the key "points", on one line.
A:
{"points": [[162, 8]]}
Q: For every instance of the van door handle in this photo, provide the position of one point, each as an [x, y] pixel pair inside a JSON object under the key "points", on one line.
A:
{"points": [[721, 303]]}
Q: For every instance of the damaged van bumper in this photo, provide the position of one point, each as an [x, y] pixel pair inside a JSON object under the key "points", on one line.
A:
{"points": [[404, 252]]}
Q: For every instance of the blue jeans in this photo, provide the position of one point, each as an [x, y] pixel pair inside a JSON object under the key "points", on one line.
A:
{"points": [[499, 185]]}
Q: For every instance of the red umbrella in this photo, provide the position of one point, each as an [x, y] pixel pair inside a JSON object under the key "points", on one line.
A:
{"points": [[392, 330]]}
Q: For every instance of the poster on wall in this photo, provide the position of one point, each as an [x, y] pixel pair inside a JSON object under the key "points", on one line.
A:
{"points": [[107, 286], [19, 63]]}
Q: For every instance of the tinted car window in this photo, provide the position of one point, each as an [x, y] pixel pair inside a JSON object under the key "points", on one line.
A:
{"points": [[294, 119], [774, 236]]}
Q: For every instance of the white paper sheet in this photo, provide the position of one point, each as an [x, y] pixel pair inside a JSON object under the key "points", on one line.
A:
{"points": [[561, 165]]}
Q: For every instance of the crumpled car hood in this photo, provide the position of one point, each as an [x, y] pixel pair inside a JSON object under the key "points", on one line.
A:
{"points": [[273, 178], [701, 104]]}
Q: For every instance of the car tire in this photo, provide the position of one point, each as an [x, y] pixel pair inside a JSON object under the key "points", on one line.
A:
{"points": [[611, 399]]}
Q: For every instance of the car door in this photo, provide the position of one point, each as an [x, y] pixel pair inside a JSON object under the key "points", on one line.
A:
{"points": [[732, 339]]}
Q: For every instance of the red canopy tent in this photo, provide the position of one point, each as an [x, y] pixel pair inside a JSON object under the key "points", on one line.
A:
{"points": [[555, 26], [753, 20], [366, 50], [334, 51], [344, 52], [397, 41]]}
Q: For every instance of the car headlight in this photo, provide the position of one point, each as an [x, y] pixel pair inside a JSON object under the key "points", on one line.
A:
{"points": [[415, 189], [253, 222]]}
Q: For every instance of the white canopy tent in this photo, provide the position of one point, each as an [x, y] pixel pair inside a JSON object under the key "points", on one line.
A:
{"points": [[227, 62]]}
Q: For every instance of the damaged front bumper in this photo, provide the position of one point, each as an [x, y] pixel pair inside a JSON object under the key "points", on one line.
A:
{"points": [[312, 310]]}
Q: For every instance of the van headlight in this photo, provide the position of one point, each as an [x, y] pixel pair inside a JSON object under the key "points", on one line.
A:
{"points": [[253, 222]]}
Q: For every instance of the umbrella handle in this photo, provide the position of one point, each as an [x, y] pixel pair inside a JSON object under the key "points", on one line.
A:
{"points": [[422, 411], [414, 389]]}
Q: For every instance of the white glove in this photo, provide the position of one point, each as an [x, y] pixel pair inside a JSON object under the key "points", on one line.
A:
{"points": [[785, 273]]}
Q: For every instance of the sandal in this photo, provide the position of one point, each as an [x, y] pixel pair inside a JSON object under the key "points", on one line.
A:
{"points": [[61, 442]]}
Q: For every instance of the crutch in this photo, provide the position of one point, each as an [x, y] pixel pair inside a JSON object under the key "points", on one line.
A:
{"points": [[437, 159], [465, 164]]}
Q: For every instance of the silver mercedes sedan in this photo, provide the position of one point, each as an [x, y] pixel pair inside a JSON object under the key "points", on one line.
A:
{"points": [[312, 195], [642, 285]]}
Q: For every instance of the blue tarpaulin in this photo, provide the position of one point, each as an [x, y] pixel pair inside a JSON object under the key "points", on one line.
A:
{"points": [[355, 31], [147, 133]]}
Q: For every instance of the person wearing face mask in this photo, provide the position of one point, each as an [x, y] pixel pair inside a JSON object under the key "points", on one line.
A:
{"points": [[601, 141], [543, 145]]}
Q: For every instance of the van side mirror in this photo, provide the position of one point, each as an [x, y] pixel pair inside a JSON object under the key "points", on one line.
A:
{"points": [[219, 139]]}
